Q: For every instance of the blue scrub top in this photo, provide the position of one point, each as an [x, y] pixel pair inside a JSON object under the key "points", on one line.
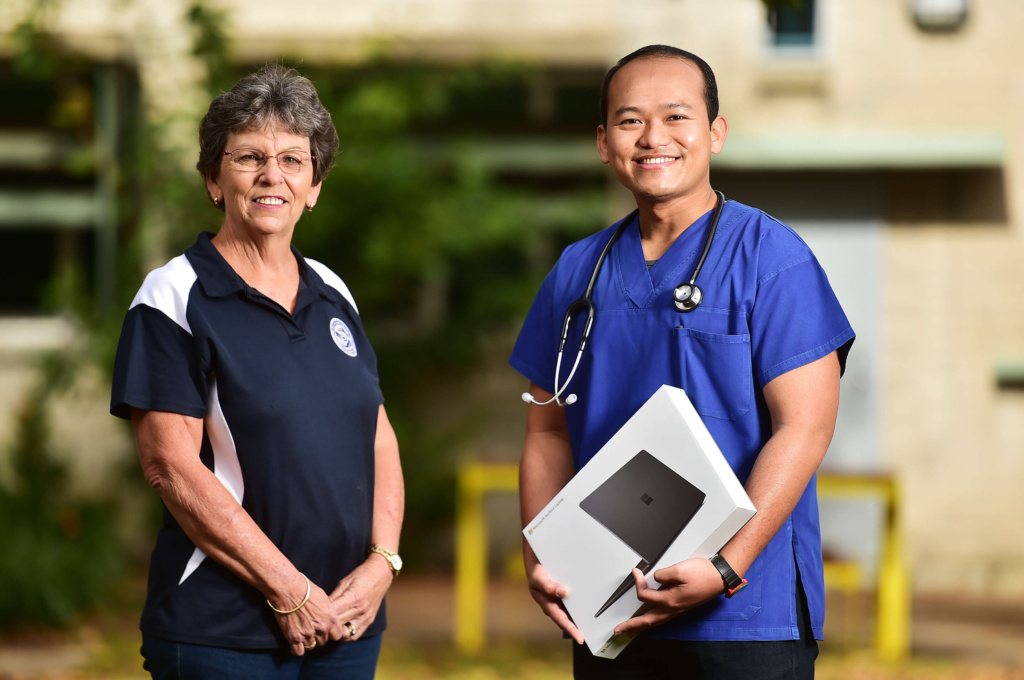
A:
{"points": [[768, 308]]}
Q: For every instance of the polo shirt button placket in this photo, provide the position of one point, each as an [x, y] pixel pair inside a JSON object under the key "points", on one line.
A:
{"points": [[291, 325]]}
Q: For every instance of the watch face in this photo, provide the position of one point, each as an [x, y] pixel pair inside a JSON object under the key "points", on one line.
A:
{"points": [[396, 562]]}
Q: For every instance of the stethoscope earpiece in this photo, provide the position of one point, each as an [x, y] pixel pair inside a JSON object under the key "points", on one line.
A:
{"points": [[528, 398]]}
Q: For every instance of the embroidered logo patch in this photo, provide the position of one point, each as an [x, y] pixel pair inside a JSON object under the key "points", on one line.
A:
{"points": [[343, 337]]}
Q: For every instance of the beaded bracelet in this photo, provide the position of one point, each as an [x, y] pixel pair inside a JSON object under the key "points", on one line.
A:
{"points": [[301, 604]]}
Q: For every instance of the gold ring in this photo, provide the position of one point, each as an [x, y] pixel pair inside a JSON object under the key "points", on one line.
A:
{"points": [[352, 630], [311, 646]]}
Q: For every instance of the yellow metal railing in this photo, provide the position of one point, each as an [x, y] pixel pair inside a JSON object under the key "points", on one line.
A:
{"points": [[476, 480], [892, 629]]}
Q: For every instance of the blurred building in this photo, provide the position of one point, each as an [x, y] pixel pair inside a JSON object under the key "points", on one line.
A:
{"points": [[887, 133]]}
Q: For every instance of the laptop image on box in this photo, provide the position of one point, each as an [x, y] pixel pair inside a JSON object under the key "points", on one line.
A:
{"points": [[646, 504]]}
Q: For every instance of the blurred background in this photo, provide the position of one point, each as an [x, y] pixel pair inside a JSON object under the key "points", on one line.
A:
{"points": [[888, 133]]}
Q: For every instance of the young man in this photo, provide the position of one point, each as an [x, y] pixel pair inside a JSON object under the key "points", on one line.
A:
{"points": [[759, 351]]}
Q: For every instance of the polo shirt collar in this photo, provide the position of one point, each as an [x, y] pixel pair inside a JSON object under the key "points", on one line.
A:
{"points": [[218, 279]]}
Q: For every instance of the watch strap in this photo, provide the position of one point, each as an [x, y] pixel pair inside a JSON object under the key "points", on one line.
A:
{"points": [[733, 583], [388, 555]]}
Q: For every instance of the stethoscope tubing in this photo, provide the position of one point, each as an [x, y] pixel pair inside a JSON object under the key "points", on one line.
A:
{"points": [[710, 237], [586, 302]]}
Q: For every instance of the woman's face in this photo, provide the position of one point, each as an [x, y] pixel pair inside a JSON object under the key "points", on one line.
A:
{"points": [[268, 200]]}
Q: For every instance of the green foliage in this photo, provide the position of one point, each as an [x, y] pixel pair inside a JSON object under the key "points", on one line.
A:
{"points": [[60, 554], [788, 4], [208, 39], [406, 215], [37, 54], [439, 250], [435, 246]]}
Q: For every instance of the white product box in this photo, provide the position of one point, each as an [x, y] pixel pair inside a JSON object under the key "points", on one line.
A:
{"points": [[660, 492]]}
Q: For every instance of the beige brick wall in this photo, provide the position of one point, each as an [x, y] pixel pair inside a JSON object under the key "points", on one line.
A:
{"points": [[956, 304]]}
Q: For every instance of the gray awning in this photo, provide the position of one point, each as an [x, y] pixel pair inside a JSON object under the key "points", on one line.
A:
{"points": [[861, 151]]}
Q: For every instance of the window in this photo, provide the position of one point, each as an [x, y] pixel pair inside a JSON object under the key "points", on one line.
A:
{"points": [[792, 23], [58, 203]]}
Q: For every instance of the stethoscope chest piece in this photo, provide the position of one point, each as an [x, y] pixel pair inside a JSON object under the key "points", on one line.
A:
{"points": [[687, 297]]}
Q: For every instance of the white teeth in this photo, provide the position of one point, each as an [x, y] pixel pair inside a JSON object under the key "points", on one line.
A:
{"points": [[267, 200], [655, 161]]}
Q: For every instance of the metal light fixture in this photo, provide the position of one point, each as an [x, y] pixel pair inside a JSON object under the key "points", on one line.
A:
{"points": [[940, 15]]}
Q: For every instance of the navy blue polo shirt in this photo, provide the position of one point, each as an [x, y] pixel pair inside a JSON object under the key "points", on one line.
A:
{"points": [[289, 404]]}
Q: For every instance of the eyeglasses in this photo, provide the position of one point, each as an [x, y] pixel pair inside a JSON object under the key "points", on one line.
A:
{"points": [[251, 160]]}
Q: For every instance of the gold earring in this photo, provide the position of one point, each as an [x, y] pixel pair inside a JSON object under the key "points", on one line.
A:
{"points": [[309, 208], [216, 201]]}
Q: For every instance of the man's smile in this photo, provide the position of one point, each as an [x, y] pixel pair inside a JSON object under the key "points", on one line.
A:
{"points": [[657, 160]]}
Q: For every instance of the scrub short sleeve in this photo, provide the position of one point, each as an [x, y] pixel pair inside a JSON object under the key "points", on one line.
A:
{"points": [[536, 348], [796, 319], [157, 367]]}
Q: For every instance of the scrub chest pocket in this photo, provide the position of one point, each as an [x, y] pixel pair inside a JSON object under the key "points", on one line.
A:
{"points": [[714, 371]]}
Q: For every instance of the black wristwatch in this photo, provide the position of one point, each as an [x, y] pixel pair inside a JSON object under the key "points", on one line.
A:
{"points": [[733, 583]]}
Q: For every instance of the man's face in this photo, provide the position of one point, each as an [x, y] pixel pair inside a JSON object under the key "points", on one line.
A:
{"points": [[658, 140]]}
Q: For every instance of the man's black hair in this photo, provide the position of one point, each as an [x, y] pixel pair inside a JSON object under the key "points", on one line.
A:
{"points": [[710, 86]]}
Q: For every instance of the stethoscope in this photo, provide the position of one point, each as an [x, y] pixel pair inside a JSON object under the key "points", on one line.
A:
{"points": [[687, 297]]}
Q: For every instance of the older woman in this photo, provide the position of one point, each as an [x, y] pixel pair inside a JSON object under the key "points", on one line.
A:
{"points": [[254, 398]]}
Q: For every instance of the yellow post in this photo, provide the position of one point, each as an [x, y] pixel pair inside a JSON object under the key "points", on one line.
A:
{"points": [[893, 642], [470, 563], [474, 481]]}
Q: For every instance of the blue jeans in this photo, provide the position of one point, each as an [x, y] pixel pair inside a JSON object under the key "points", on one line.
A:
{"points": [[657, 659], [168, 660]]}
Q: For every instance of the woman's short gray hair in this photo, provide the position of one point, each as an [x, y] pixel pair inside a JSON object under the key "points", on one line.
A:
{"points": [[273, 95]]}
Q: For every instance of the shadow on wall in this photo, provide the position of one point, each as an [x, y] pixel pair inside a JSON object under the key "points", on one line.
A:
{"points": [[906, 197]]}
